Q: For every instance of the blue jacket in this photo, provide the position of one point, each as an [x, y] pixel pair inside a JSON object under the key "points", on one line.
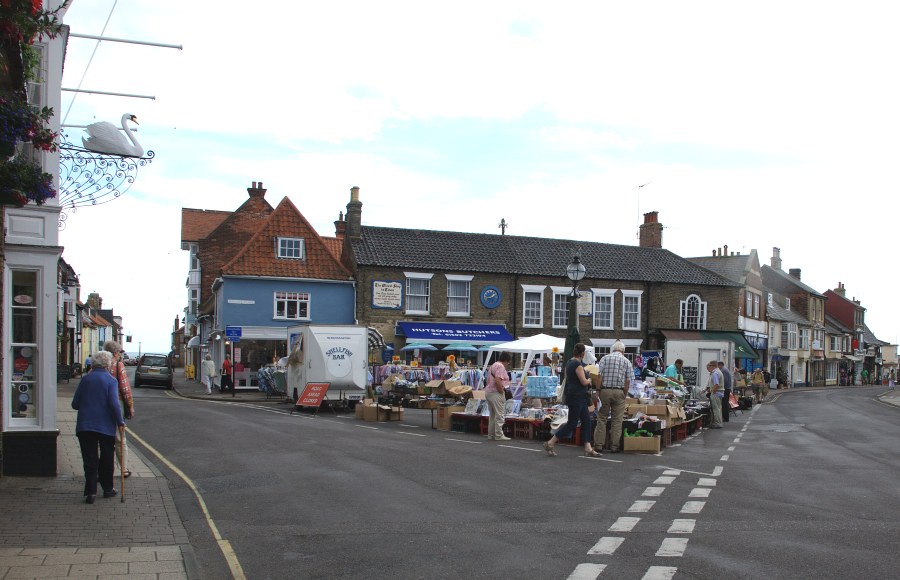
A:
{"points": [[97, 402]]}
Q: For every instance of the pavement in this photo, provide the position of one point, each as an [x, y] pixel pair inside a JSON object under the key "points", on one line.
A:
{"points": [[47, 531]]}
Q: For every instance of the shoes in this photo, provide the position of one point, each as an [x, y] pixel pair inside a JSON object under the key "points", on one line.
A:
{"points": [[549, 449], [111, 493], [503, 438], [490, 437], [592, 453], [127, 473], [89, 498]]}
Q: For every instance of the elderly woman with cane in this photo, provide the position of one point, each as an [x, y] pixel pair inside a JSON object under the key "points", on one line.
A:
{"points": [[99, 416]]}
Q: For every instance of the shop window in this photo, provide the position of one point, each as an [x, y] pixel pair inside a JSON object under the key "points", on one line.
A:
{"points": [[532, 306], [693, 313], [418, 293], [292, 305], [290, 248], [24, 348], [631, 309], [603, 308], [458, 295]]}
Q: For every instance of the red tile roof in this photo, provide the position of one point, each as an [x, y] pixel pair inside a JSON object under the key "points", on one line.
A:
{"points": [[196, 224], [258, 256], [335, 246]]}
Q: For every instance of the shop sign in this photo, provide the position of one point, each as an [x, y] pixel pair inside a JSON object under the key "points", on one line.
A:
{"points": [[585, 303], [313, 394], [387, 294]]}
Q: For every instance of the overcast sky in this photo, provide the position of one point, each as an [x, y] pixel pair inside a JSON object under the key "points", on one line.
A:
{"points": [[755, 125]]}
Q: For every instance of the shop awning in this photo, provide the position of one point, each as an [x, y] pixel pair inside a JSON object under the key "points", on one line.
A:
{"points": [[375, 339], [742, 348], [853, 357], [194, 342], [447, 332]]}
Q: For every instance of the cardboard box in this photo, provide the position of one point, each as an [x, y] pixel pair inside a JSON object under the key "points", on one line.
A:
{"points": [[445, 416], [396, 414], [370, 412], [359, 410], [429, 404], [631, 410], [441, 387], [389, 382], [642, 444]]}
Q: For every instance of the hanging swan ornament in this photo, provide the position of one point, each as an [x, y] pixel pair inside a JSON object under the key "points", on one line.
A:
{"points": [[106, 138]]}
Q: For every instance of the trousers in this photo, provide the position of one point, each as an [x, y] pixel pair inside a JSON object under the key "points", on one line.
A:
{"points": [[612, 402], [496, 409], [97, 454], [715, 405]]}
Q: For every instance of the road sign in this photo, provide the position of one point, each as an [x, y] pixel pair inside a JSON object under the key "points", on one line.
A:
{"points": [[313, 394], [233, 333]]}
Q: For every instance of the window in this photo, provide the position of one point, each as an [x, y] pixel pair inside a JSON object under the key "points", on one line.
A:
{"points": [[193, 301], [292, 305], [418, 293], [290, 248], [603, 308], [831, 371], [458, 295], [561, 306], [789, 335], [532, 306], [787, 303], [748, 303], [803, 343], [693, 313], [756, 306], [24, 348], [834, 343], [631, 309], [772, 333]]}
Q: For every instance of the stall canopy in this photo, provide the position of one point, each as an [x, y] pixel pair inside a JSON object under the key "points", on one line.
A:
{"points": [[447, 332], [742, 348], [194, 342], [530, 345]]}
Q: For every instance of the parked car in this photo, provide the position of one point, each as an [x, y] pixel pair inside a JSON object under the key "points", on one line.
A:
{"points": [[153, 369], [129, 361]]}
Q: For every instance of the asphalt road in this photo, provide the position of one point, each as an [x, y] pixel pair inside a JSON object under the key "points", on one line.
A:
{"points": [[804, 487]]}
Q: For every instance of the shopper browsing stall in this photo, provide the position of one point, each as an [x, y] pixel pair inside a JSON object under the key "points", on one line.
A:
{"points": [[495, 394], [615, 380], [579, 403]]}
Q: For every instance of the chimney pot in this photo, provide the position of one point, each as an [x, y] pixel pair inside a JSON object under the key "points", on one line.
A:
{"points": [[726, 250], [794, 272], [650, 232]]}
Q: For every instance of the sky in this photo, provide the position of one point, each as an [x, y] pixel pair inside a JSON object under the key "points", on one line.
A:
{"points": [[751, 125]]}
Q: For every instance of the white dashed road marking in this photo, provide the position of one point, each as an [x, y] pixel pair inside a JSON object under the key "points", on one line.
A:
{"points": [[588, 572], [641, 506], [624, 524], [606, 546], [700, 492], [653, 491], [707, 481], [682, 527], [692, 507], [660, 573], [664, 480], [672, 547]]}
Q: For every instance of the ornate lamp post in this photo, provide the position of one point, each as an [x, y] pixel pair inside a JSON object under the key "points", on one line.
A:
{"points": [[575, 271]]}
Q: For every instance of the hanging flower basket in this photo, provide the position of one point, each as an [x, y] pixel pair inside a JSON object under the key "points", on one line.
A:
{"points": [[22, 181]]}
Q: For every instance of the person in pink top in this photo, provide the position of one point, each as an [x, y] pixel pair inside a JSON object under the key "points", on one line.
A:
{"points": [[494, 393]]}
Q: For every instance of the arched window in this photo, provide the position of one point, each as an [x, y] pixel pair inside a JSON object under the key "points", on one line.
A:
{"points": [[693, 313]]}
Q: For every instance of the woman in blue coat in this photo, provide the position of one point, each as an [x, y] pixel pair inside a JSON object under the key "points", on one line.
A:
{"points": [[99, 415]]}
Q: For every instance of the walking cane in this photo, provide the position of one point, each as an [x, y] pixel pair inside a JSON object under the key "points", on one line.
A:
{"points": [[122, 460]]}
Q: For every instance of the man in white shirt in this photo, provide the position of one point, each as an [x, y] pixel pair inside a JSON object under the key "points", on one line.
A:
{"points": [[715, 385]]}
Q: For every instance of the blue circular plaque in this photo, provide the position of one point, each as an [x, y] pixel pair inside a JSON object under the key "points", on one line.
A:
{"points": [[491, 296]]}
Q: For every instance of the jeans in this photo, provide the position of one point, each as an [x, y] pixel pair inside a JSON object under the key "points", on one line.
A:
{"points": [[98, 467], [726, 405], [613, 400], [578, 411], [497, 409]]}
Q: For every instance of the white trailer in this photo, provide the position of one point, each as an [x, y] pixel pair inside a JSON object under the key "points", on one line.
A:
{"points": [[337, 355]]}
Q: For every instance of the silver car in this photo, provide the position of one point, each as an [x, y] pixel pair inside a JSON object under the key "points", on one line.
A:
{"points": [[153, 369]]}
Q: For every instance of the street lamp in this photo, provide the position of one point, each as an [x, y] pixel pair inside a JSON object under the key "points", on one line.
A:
{"points": [[575, 271]]}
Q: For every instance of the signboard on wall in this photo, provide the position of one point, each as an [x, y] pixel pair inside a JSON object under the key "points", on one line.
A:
{"points": [[690, 375], [387, 294]]}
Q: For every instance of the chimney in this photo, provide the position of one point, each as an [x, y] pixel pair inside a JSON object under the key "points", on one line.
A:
{"points": [[340, 227], [354, 215], [650, 232], [794, 272], [257, 190], [94, 301], [776, 258], [840, 290], [725, 251]]}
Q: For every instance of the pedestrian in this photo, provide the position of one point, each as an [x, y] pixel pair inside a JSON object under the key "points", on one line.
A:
{"points": [[756, 381], [892, 381], [99, 415], [674, 371], [126, 402], [208, 373], [227, 380], [578, 399], [714, 386], [616, 373], [495, 394], [87, 363], [727, 383], [865, 376]]}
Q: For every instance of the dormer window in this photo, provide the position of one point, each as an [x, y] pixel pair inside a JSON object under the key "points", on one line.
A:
{"points": [[291, 248]]}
